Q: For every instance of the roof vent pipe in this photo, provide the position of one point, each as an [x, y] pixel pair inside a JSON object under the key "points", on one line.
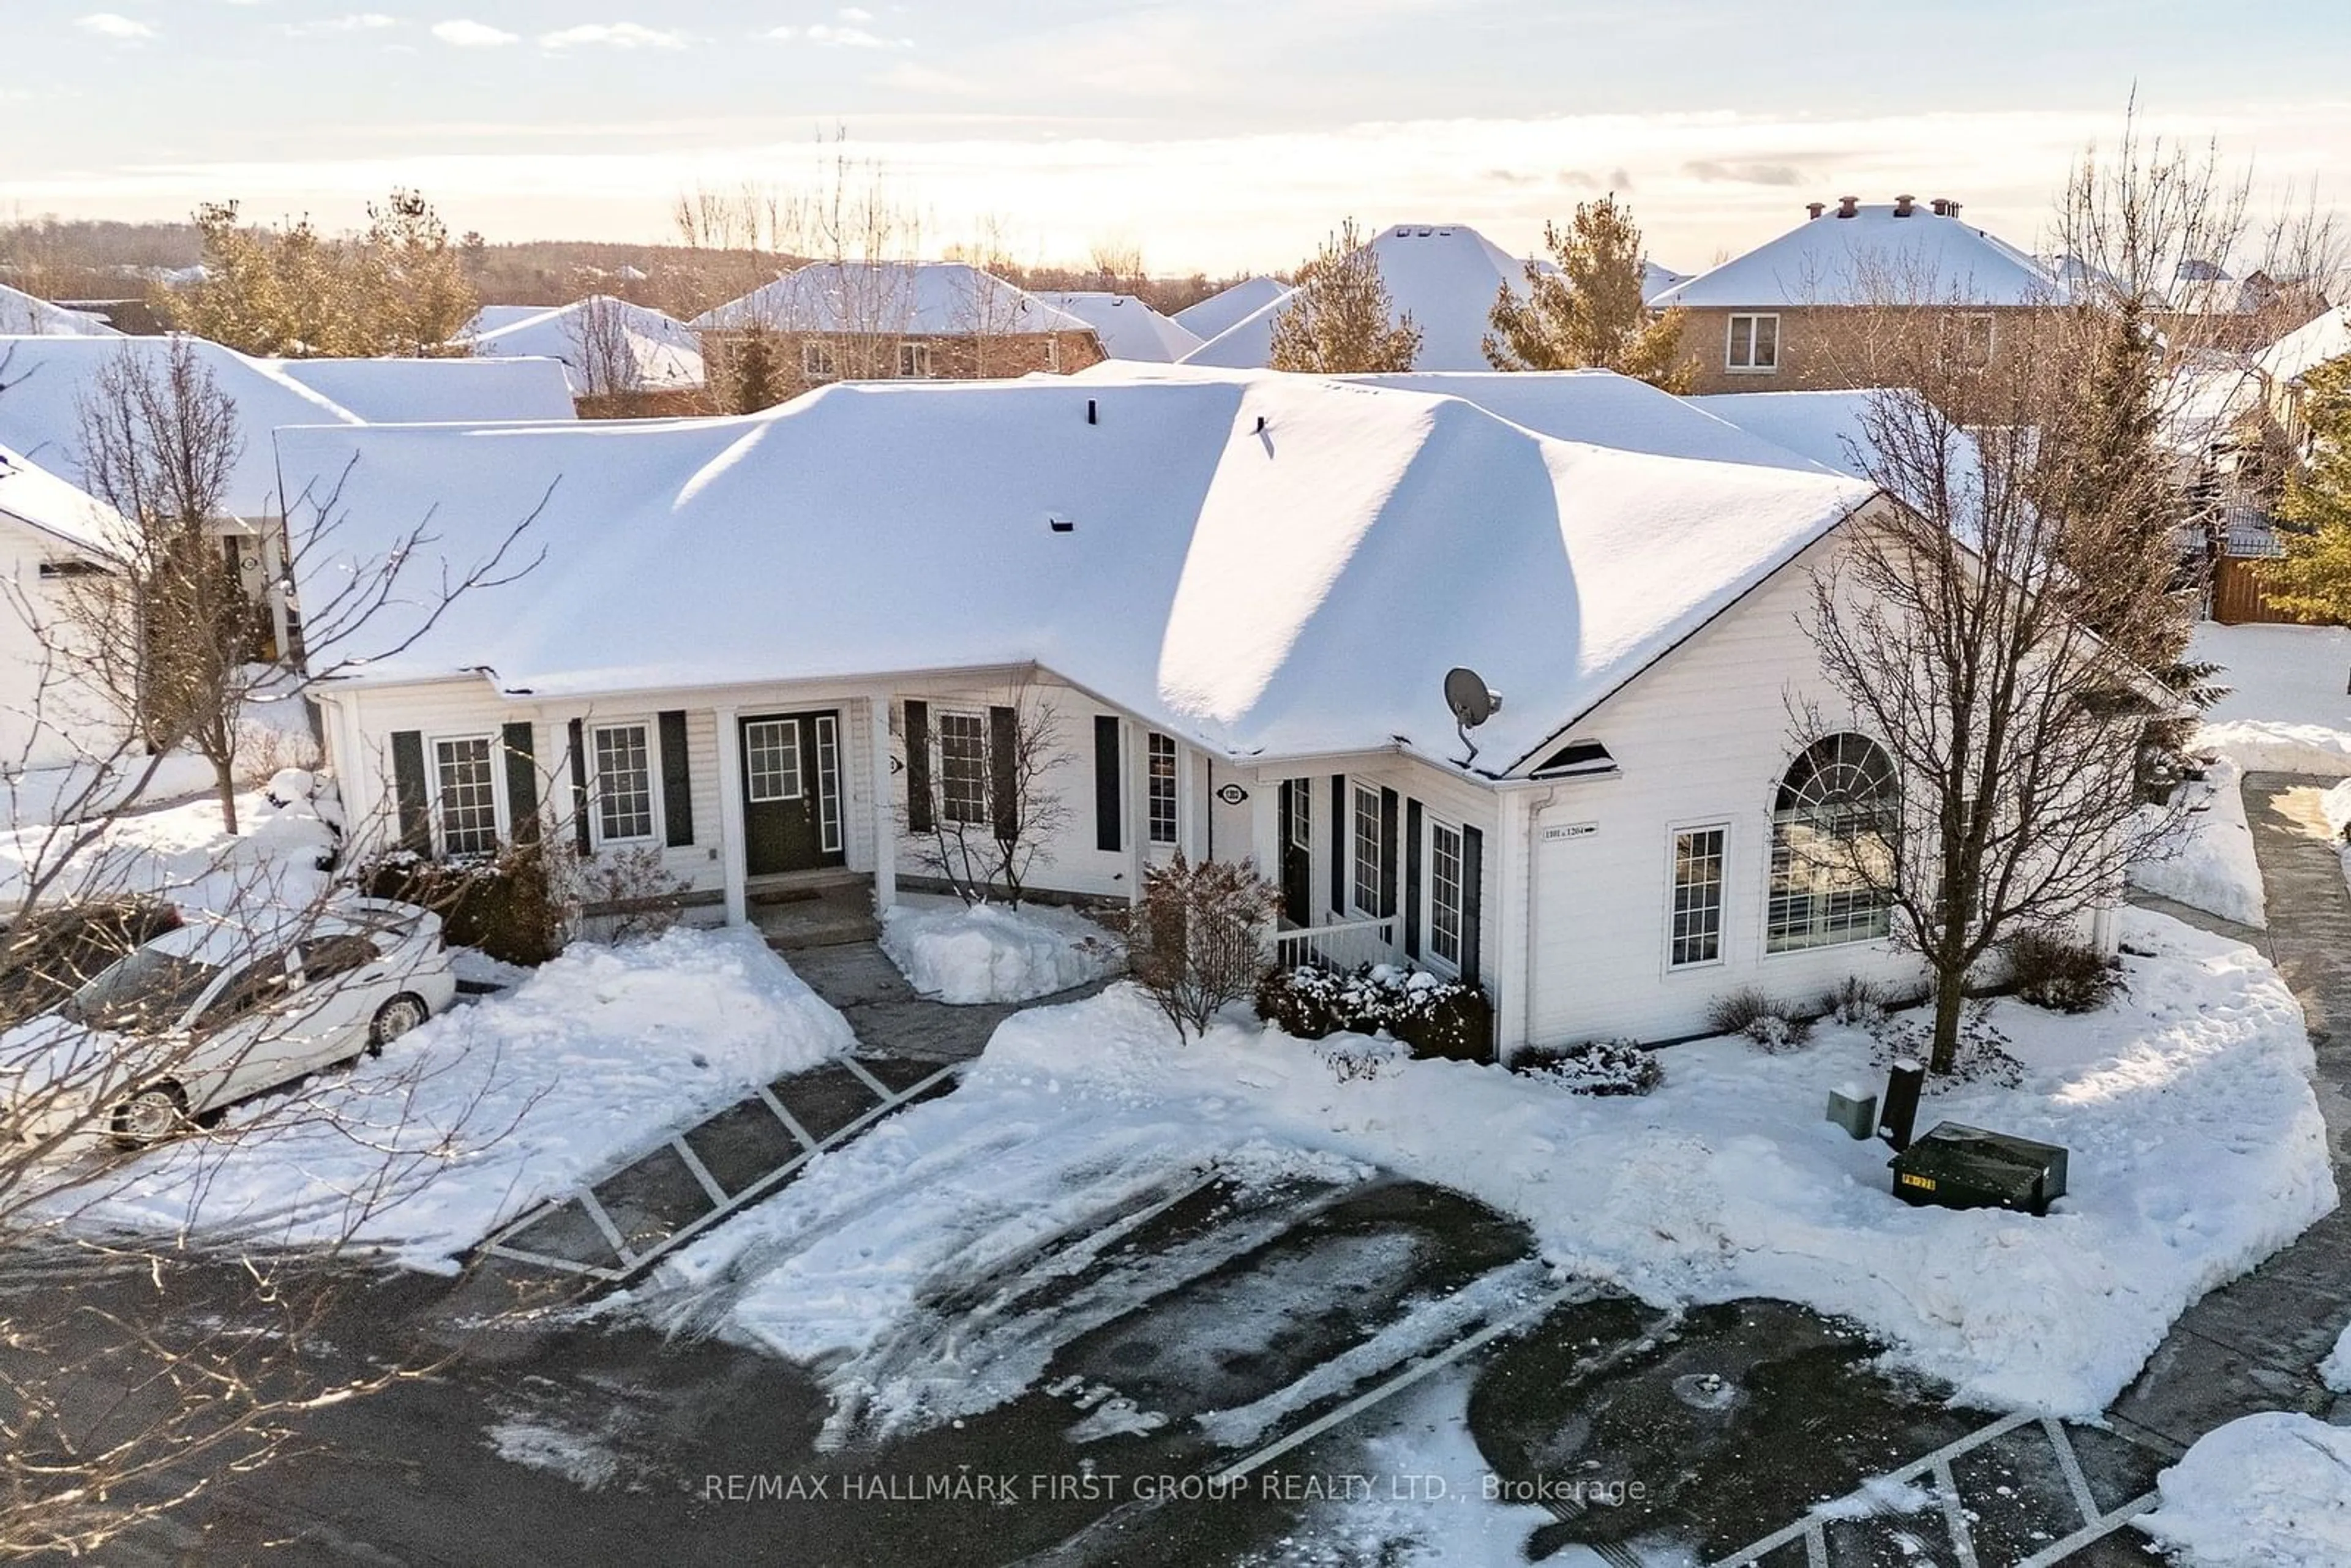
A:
{"points": [[1848, 206], [1814, 209], [1903, 205], [1094, 411], [1942, 207], [1954, 207]]}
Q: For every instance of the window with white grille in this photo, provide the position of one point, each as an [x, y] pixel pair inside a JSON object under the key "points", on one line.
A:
{"points": [[465, 795], [1367, 852], [1162, 790], [1445, 901], [771, 760], [1697, 896], [624, 783], [963, 767]]}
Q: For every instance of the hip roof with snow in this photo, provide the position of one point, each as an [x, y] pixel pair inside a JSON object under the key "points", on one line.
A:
{"points": [[1871, 258], [440, 391], [1269, 565], [663, 353], [41, 501], [932, 298], [25, 315], [1128, 329], [1225, 309]]}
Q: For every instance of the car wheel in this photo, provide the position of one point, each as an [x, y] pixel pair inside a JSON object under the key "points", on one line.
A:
{"points": [[394, 1019], [156, 1113]]}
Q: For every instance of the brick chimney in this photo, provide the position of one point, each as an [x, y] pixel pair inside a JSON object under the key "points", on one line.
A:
{"points": [[1848, 206], [1814, 209], [1903, 205]]}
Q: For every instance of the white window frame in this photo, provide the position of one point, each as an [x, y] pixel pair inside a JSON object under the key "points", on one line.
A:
{"points": [[1363, 893], [1967, 320], [915, 362], [655, 817], [817, 360], [799, 764], [986, 813], [1431, 952], [501, 823], [829, 832], [1158, 746], [1730, 338], [1675, 833]]}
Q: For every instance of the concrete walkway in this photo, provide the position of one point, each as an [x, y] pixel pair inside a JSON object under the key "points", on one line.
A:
{"points": [[2255, 1343]]}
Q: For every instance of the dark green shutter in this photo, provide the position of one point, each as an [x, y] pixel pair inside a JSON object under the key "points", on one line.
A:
{"points": [[522, 783], [1473, 900], [1004, 773], [1412, 879], [1109, 828], [677, 779], [579, 787], [1343, 840], [413, 811], [918, 767], [1387, 852]]}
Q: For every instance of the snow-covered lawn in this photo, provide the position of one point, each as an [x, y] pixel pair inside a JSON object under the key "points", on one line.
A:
{"points": [[989, 953], [180, 853], [493, 1106], [2212, 867], [2196, 1150], [2272, 1490], [2288, 710]]}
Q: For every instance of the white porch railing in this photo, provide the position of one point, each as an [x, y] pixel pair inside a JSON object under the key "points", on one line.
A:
{"points": [[1342, 946]]}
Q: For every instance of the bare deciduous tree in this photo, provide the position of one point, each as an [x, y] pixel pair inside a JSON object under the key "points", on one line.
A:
{"points": [[1196, 944], [990, 805], [604, 348]]}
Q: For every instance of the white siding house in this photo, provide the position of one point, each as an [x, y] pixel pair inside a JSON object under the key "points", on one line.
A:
{"points": [[50, 533]]}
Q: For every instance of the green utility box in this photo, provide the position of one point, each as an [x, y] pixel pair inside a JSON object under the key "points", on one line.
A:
{"points": [[1967, 1167]]}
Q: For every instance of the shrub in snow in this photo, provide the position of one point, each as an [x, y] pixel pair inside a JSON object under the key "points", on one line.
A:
{"points": [[1854, 1003], [1593, 1067], [1358, 1056], [1774, 1026], [629, 892], [1982, 1056], [1436, 1017], [506, 905], [1194, 944], [2052, 970], [288, 785]]}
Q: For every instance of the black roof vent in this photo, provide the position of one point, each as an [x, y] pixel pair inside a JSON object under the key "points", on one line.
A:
{"points": [[1577, 760]]}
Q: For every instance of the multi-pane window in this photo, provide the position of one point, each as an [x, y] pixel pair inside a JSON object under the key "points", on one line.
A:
{"points": [[914, 359], [465, 800], [963, 767], [1297, 803], [771, 760], [1162, 792], [1832, 832], [1366, 836], [624, 783], [1975, 335], [1444, 893], [1754, 343], [1697, 896], [816, 361], [828, 782]]}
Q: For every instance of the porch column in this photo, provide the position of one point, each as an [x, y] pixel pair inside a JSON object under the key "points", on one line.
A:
{"points": [[730, 815], [1509, 922], [885, 815]]}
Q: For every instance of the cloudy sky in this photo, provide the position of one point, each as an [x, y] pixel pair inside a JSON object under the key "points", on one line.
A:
{"points": [[1215, 133]]}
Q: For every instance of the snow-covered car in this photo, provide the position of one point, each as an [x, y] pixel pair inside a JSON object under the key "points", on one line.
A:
{"points": [[216, 1013]]}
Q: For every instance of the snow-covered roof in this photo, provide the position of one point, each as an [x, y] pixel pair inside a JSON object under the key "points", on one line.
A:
{"points": [[938, 298], [25, 315], [40, 500], [1656, 279], [1445, 276], [1272, 565], [442, 390], [2308, 346], [491, 318], [1129, 329], [1873, 257], [1222, 311], [1606, 409], [664, 352]]}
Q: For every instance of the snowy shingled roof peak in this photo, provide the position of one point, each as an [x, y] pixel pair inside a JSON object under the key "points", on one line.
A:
{"points": [[660, 352], [2313, 344], [25, 316], [435, 392], [40, 500], [1225, 309], [1129, 329], [1445, 276], [1875, 256], [936, 298], [1273, 564]]}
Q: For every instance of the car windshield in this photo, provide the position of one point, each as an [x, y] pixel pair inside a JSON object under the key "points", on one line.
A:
{"points": [[146, 992]]}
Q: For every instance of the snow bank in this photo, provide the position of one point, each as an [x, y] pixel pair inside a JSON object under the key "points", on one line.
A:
{"points": [[2197, 1151], [2211, 866], [2287, 710], [984, 953], [2335, 1370], [181, 853], [2272, 1491], [492, 1107]]}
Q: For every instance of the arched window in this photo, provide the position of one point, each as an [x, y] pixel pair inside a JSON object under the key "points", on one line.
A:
{"points": [[1833, 827]]}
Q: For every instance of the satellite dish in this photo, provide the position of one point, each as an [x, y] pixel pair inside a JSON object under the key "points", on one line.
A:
{"points": [[1472, 701]]}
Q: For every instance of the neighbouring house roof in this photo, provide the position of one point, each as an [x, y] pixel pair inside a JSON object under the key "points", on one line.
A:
{"points": [[931, 299], [1222, 311], [1269, 565], [23, 315], [40, 404], [2206, 397], [491, 318], [1445, 276], [1656, 279], [1129, 329], [2313, 344], [41, 501], [663, 353], [1872, 257]]}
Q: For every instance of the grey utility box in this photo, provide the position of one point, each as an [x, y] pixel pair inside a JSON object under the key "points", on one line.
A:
{"points": [[1854, 1109]]}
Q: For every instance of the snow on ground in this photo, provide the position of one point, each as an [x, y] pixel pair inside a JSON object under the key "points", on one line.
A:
{"points": [[578, 1458], [181, 853], [991, 953], [2272, 1490], [2212, 866], [492, 1107], [2288, 710], [2196, 1150], [2335, 1370]]}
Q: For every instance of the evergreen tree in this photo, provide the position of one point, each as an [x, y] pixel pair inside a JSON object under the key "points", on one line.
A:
{"points": [[1589, 313], [1340, 320], [754, 381], [2314, 580]]}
